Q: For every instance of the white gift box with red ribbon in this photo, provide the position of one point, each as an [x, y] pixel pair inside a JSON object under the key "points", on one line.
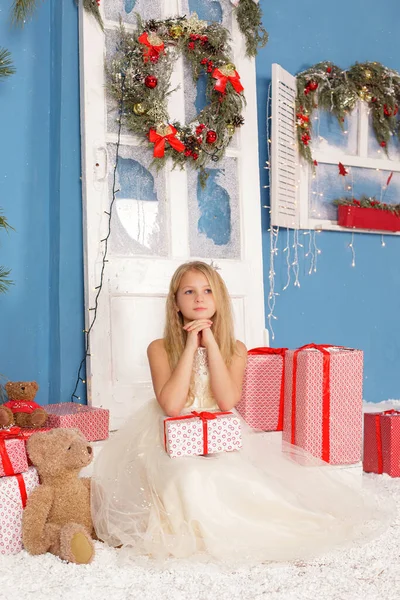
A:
{"points": [[202, 433]]}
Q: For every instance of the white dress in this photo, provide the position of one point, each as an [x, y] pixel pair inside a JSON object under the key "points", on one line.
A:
{"points": [[263, 503]]}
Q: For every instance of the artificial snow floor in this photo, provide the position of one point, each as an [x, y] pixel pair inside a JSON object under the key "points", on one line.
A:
{"points": [[371, 572]]}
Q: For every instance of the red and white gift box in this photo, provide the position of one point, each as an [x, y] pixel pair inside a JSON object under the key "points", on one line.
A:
{"points": [[323, 402], [382, 443], [13, 457], [13, 495], [91, 421], [202, 433], [261, 404]]}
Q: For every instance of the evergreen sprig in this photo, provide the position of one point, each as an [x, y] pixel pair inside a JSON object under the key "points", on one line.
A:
{"points": [[335, 90], [249, 19], [22, 10], [92, 7], [5, 282], [6, 64]]}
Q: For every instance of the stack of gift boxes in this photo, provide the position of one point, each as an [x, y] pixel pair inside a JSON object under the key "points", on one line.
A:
{"points": [[18, 479]]}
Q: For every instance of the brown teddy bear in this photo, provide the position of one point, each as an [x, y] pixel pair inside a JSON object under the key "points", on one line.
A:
{"points": [[21, 410], [57, 516]]}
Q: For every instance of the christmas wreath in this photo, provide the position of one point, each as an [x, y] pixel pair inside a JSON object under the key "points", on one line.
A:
{"points": [[330, 88], [139, 76]]}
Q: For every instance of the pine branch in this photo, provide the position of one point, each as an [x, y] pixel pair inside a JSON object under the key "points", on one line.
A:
{"points": [[6, 65], [4, 223], [249, 18], [22, 10], [92, 7], [5, 282]]}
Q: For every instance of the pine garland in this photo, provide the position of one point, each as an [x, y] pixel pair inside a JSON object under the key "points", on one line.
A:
{"points": [[6, 64], [92, 6], [331, 89], [368, 202], [249, 19], [144, 75]]}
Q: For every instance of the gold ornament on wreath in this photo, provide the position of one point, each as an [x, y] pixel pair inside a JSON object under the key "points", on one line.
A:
{"points": [[329, 88], [139, 75]]}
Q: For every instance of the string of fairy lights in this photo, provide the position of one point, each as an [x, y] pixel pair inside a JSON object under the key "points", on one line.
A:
{"points": [[290, 252]]}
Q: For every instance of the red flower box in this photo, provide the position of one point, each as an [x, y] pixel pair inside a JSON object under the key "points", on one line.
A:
{"points": [[368, 218]]}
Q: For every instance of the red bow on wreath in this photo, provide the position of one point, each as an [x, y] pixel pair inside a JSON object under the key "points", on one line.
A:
{"points": [[223, 78], [154, 46], [159, 137]]}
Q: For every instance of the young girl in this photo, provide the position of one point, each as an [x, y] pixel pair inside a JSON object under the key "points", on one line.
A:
{"points": [[254, 505]]}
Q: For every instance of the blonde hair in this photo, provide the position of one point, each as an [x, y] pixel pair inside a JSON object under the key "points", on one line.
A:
{"points": [[174, 334]]}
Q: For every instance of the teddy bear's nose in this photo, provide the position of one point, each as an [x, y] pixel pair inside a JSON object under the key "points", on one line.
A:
{"points": [[89, 449]]}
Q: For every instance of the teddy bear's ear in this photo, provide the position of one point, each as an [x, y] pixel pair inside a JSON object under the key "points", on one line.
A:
{"points": [[35, 385], [36, 447], [8, 386]]}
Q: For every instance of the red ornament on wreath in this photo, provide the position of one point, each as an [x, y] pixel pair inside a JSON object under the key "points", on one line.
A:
{"points": [[151, 81], [390, 112], [312, 85], [211, 137], [305, 138]]}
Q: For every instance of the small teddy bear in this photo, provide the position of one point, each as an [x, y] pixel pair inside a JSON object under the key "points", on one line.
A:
{"points": [[21, 410], [57, 517]]}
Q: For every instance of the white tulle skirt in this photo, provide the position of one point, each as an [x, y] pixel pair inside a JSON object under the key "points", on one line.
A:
{"points": [[264, 503]]}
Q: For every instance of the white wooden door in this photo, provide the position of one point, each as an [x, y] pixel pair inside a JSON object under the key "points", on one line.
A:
{"points": [[158, 221]]}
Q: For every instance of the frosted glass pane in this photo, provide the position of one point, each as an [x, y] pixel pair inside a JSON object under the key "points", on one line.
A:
{"points": [[329, 186], [327, 133], [126, 9], [214, 216], [139, 215]]}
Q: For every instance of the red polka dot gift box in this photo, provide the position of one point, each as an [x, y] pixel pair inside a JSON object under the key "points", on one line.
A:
{"points": [[14, 492], [382, 443], [202, 433], [91, 421], [13, 458], [261, 404], [323, 402]]}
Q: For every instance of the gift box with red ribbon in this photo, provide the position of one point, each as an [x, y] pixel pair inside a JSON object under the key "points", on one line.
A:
{"points": [[91, 421], [202, 433], [323, 402], [13, 457], [261, 404], [382, 443], [14, 492]]}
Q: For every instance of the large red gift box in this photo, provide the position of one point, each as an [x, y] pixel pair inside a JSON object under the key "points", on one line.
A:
{"points": [[13, 457], [202, 433], [92, 422], [382, 443], [13, 495], [261, 404], [323, 402]]}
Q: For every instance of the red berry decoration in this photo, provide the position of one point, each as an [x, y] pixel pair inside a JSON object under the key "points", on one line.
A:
{"points": [[312, 85], [211, 137], [203, 61], [195, 156], [305, 138], [329, 70], [151, 81], [383, 144], [191, 45]]}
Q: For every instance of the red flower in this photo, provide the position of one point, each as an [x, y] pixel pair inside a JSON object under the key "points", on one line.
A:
{"points": [[191, 45]]}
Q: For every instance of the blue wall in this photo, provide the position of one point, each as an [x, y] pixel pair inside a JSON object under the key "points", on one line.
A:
{"points": [[339, 304], [42, 316]]}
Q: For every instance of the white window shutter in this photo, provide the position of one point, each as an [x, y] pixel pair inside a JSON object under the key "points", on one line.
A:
{"points": [[285, 206]]}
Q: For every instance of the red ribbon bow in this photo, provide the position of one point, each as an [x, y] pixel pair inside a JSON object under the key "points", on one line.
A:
{"points": [[8, 434], [151, 51], [378, 434], [222, 81], [204, 416], [159, 142], [279, 352], [326, 395]]}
